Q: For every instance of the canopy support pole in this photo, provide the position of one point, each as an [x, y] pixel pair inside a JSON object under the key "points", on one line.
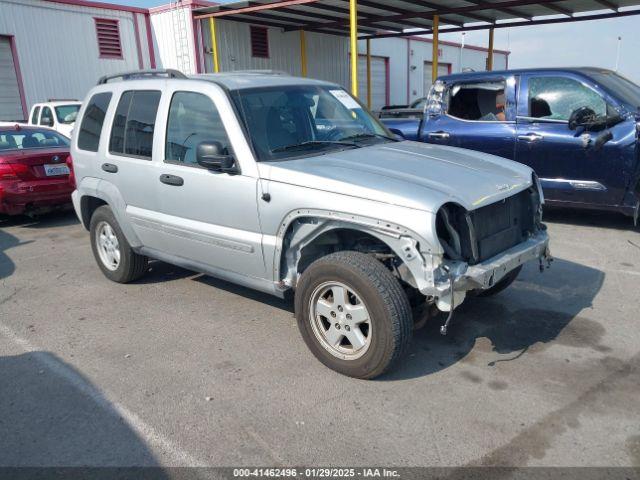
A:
{"points": [[435, 45], [368, 73], [353, 24], [303, 54], [490, 55], [214, 45]]}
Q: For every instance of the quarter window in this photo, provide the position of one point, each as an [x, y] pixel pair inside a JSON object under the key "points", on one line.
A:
{"points": [[134, 123], [34, 116], [91, 126], [193, 119], [478, 101], [555, 98]]}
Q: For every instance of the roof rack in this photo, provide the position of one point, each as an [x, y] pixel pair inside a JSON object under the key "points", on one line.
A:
{"points": [[63, 100], [257, 72], [137, 74]]}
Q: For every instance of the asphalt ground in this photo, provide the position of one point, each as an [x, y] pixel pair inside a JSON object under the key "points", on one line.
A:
{"points": [[181, 369]]}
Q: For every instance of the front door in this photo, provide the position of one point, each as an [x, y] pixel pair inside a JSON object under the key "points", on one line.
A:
{"points": [[208, 217], [571, 167], [478, 114]]}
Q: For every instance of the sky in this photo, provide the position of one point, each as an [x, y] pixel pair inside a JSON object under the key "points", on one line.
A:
{"points": [[592, 43]]}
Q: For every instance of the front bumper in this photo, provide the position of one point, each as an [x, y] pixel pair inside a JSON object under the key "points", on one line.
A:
{"points": [[486, 274]]}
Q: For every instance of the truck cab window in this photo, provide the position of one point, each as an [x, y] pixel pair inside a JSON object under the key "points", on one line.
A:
{"points": [[478, 101], [555, 98]]}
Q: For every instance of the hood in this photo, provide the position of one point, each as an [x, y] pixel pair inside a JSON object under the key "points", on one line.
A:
{"points": [[409, 174]]}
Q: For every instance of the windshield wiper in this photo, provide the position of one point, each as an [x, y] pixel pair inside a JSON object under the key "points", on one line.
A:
{"points": [[359, 136], [312, 143]]}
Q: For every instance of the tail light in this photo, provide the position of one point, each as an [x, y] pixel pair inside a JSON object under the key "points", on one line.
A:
{"points": [[12, 171], [72, 177]]}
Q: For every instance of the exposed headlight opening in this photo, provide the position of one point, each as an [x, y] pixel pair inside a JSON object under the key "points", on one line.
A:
{"points": [[477, 235]]}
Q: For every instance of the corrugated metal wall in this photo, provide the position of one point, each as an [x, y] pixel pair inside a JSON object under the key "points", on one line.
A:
{"points": [[173, 39], [58, 50], [326, 54]]}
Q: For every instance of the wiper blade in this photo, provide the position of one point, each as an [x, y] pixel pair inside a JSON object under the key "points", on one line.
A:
{"points": [[296, 146], [359, 136]]}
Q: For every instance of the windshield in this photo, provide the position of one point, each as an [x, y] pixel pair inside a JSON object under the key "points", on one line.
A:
{"points": [[294, 121], [24, 139], [624, 89], [67, 113]]}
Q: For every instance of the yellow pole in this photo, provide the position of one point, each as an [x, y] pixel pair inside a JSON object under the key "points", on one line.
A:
{"points": [[353, 24], [368, 72], [303, 54], [214, 45], [434, 53], [490, 56]]}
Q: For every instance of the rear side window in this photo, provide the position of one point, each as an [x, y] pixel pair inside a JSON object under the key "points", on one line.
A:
{"points": [[34, 117], [89, 134], [193, 118], [478, 101], [134, 124]]}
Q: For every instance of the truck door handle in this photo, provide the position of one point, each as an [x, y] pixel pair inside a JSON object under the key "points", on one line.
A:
{"points": [[172, 180], [439, 135], [531, 137], [110, 168]]}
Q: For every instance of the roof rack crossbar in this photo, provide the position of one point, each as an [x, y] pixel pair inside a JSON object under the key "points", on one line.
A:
{"points": [[136, 74]]}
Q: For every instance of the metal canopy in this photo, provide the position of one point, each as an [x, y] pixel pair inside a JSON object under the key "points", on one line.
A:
{"points": [[389, 18]]}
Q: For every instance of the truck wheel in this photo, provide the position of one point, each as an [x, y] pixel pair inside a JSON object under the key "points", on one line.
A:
{"points": [[353, 314], [504, 282], [111, 250]]}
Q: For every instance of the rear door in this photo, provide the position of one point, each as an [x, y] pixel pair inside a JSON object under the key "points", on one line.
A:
{"points": [[478, 114], [570, 167], [207, 217]]}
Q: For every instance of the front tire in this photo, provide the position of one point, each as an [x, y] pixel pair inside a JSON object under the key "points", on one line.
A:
{"points": [[353, 314], [111, 250]]}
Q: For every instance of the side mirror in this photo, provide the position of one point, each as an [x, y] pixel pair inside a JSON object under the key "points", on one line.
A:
{"points": [[210, 156], [581, 117]]}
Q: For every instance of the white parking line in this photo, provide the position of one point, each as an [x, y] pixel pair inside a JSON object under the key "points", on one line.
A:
{"points": [[158, 442]]}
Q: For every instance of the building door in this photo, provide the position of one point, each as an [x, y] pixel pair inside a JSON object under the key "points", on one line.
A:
{"points": [[10, 101], [379, 81], [443, 69]]}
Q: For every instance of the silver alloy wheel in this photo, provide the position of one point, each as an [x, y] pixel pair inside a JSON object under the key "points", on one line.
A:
{"points": [[107, 245], [340, 320]]}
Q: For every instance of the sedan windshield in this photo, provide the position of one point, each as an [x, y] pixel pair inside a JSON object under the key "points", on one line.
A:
{"points": [[67, 113], [27, 139], [302, 120]]}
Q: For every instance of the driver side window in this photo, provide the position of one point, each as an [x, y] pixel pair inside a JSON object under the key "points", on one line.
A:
{"points": [[47, 117], [555, 98], [193, 119]]}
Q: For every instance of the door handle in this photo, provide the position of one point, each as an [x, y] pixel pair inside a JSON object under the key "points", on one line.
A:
{"points": [[531, 137], [110, 168], [439, 135], [172, 180]]}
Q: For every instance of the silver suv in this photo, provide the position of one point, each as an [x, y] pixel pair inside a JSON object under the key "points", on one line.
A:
{"points": [[288, 184]]}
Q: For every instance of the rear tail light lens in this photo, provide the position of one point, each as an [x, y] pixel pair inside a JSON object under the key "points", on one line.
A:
{"points": [[72, 177], [12, 171]]}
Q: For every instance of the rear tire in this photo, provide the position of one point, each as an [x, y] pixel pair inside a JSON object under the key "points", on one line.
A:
{"points": [[353, 314], [111, 250]]}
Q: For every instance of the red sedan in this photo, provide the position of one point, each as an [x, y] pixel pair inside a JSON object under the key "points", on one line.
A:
{"points": [[35, 170]]}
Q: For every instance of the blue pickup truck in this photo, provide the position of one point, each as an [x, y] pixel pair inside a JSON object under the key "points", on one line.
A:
{"points": [[577, 128]]}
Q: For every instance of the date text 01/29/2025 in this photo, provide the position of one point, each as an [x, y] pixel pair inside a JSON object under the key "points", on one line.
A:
{"points": [[315, 472]]}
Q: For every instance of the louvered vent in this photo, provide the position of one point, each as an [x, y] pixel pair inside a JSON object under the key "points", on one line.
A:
{"points": [[259, 42], [108, 32]]}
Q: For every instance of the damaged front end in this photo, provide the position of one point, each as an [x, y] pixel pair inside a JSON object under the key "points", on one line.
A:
{"points": [[482, 246]]}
